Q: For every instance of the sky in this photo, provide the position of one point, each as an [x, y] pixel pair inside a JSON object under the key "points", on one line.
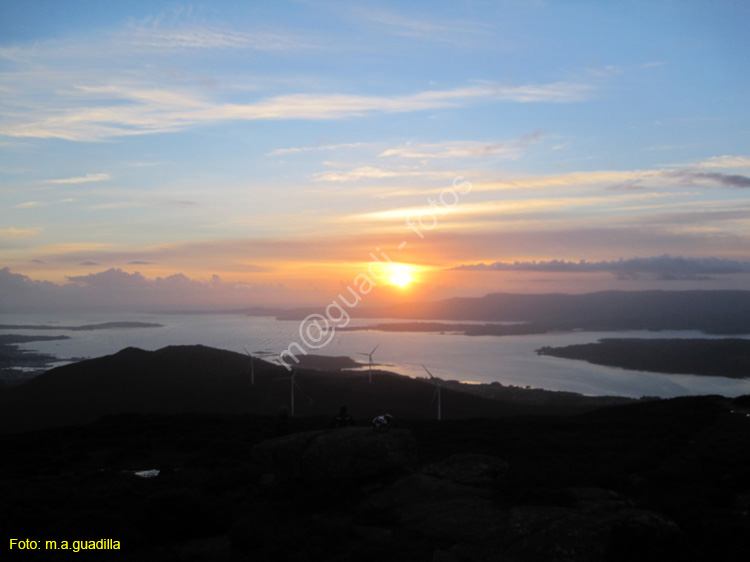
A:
{"points": [[267, 153]]}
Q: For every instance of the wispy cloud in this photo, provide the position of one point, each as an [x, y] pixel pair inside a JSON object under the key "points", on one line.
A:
{"points": [[373, 172], [726, 180], [462, 149], [402, 25], [618, 180], [194, 37], [497, 209], [11, 232], [81, 179], [96, 112], [28, 205], [725, 161], [282, 151], [158, 35]]}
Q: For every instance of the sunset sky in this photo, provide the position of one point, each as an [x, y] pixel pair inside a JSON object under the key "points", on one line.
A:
{"points": [[260, 152]]}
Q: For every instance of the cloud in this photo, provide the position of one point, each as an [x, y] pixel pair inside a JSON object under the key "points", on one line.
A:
{"points": [[661, 267], [456, 32], [462, 149], [618, 180], [401, 25], [81, 179], [11, 232], [735, 181], [89, 262], [116, 278], [281, 151], [89, 112], [725, 161], [497, 211], [115, 289], [202, 38], [28, 205], [373, 172]]}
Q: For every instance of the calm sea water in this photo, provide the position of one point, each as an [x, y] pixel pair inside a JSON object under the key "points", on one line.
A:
{"points": [[510, 360]]}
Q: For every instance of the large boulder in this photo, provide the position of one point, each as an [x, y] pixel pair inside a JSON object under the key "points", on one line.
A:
{"points": [[339, 454], [596, 525], [469, 468]]}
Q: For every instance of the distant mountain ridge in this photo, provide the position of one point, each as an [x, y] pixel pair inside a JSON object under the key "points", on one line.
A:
{"points": [[717, 312]]}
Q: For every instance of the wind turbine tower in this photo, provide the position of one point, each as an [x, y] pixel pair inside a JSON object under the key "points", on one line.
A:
{"points": [[369, 355], [252, 366], [436, 382]]}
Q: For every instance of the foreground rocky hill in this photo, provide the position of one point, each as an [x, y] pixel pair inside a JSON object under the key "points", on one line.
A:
{"points": [[665, 480], [179, 454]]}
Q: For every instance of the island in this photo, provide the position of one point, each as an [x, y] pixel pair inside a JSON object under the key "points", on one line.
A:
{"points": [[85, 327], [491, 329], [726, 357]]}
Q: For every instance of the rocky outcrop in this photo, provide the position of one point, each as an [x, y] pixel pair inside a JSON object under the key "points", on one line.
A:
{"points": [[594, 525], [339, 454], [469, 469]]}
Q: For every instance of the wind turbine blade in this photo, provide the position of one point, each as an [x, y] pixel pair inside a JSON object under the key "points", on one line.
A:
{"points": [[360, 353], [374, 348], [428, 372]]}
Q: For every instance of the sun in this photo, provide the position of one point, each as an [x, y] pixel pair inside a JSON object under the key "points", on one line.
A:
{"points": [[400, 276]]}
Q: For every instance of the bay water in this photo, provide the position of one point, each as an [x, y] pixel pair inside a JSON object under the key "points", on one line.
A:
{"points": [[509, 360]]}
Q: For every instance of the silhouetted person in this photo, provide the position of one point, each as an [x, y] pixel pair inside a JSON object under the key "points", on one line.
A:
{"points": [[344, 419], [382, 423]]}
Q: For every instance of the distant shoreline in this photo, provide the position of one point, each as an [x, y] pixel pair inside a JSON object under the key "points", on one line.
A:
{"points": [[728, 357], [18, 365], [493, 329], [84, 327]]}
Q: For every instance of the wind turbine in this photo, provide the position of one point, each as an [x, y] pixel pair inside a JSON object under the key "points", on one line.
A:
{"points": [[436, 382], [292, 385], [370, 356], [252, 358], [252, 366]]}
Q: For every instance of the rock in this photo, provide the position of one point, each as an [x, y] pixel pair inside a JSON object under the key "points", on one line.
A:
{"points": [[373, 535], [414, 489], [332, 524], [283, 456], [435, 508], [595, 524], [469, 469], [554, 534], [462, 519], [627, 534], [340, 454], [443, 556], [597, 499]]}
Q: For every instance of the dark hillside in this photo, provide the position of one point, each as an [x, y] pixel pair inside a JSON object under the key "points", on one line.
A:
{"points": [[198, 379]]}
